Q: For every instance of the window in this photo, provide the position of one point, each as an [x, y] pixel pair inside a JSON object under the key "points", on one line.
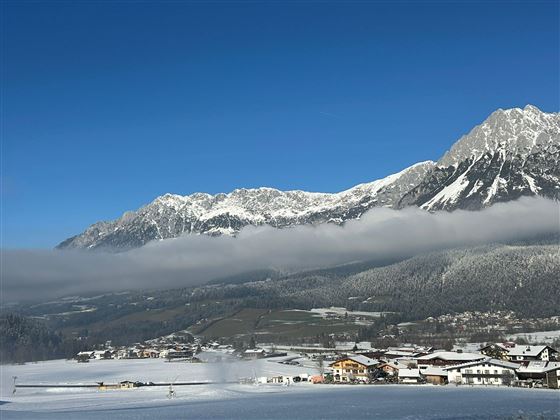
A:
{"points": [[495, 371], [487, 372]]}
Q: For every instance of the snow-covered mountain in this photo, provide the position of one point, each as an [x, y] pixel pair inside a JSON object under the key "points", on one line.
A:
{"points": [[514, 152], [172, 215]]}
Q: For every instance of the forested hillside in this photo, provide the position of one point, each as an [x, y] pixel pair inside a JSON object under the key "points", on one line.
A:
{"points": [[23, 339]]}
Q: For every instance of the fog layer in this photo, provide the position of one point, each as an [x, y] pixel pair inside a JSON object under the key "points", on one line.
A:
{"points": [[189, 260]]}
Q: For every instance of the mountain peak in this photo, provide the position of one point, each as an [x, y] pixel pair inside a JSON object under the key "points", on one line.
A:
{"points": [[514, 130]]}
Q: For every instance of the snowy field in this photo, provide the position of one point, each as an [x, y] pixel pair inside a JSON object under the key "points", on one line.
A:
{"points": [[546, 337], [235, 401]]}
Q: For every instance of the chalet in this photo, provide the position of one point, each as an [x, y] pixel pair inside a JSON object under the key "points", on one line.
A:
{"points": [[524, 353], [410, 376], [435, 375], [353, 368], [391, 368], [496, 351], [447, 358], [483, 372]]}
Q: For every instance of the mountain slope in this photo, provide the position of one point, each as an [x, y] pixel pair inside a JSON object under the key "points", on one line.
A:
{"points": [[513, 153]]}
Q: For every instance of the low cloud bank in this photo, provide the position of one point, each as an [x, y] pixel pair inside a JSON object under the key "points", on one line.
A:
{"points": [[190, 260]]}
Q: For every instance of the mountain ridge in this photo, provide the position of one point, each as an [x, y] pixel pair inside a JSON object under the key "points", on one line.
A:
{"points": [[514, 152]]}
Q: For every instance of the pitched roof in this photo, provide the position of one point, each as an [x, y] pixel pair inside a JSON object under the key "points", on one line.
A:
{"points": [[539, 366], [358, 358], [434, 371], [524, 350], [451, 355], [409, 373], [488, 360], [499, 345], [400, 353]]}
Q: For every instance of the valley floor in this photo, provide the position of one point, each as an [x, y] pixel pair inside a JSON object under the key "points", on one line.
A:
{"points": [[225, 400]]}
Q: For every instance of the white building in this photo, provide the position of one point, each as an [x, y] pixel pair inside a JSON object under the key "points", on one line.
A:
{"points": [[523, 353], [483, 372]]}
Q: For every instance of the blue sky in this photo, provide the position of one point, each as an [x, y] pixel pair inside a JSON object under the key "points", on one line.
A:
{"points": [[108, 105]]}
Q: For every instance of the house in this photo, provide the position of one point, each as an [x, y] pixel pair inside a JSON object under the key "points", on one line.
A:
{"points": [[435, 375], [174, 354], [125, 353], [102, 354], [84, 356], [353, 368], [317, 379], [149, 353], [553, 377], [446, 358], [129, 384], [526, 353], [538, 371], [483, 372], [496, 351], [391, 368], [121, 385], [410, 376], [254, 353]]}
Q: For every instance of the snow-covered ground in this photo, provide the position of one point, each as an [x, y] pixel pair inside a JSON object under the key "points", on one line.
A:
{"points": [[546, 337], [323, 312], [224, 400]]}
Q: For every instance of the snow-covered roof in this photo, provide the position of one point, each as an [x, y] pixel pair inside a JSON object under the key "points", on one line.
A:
{"points": [[552, 366], [488, 360], [394, 364], [451, 355], [253, 351], [358, 358], [400, 353], [524, 350], [536, 366], [434, 371], [409, 373], [499, 345]]}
